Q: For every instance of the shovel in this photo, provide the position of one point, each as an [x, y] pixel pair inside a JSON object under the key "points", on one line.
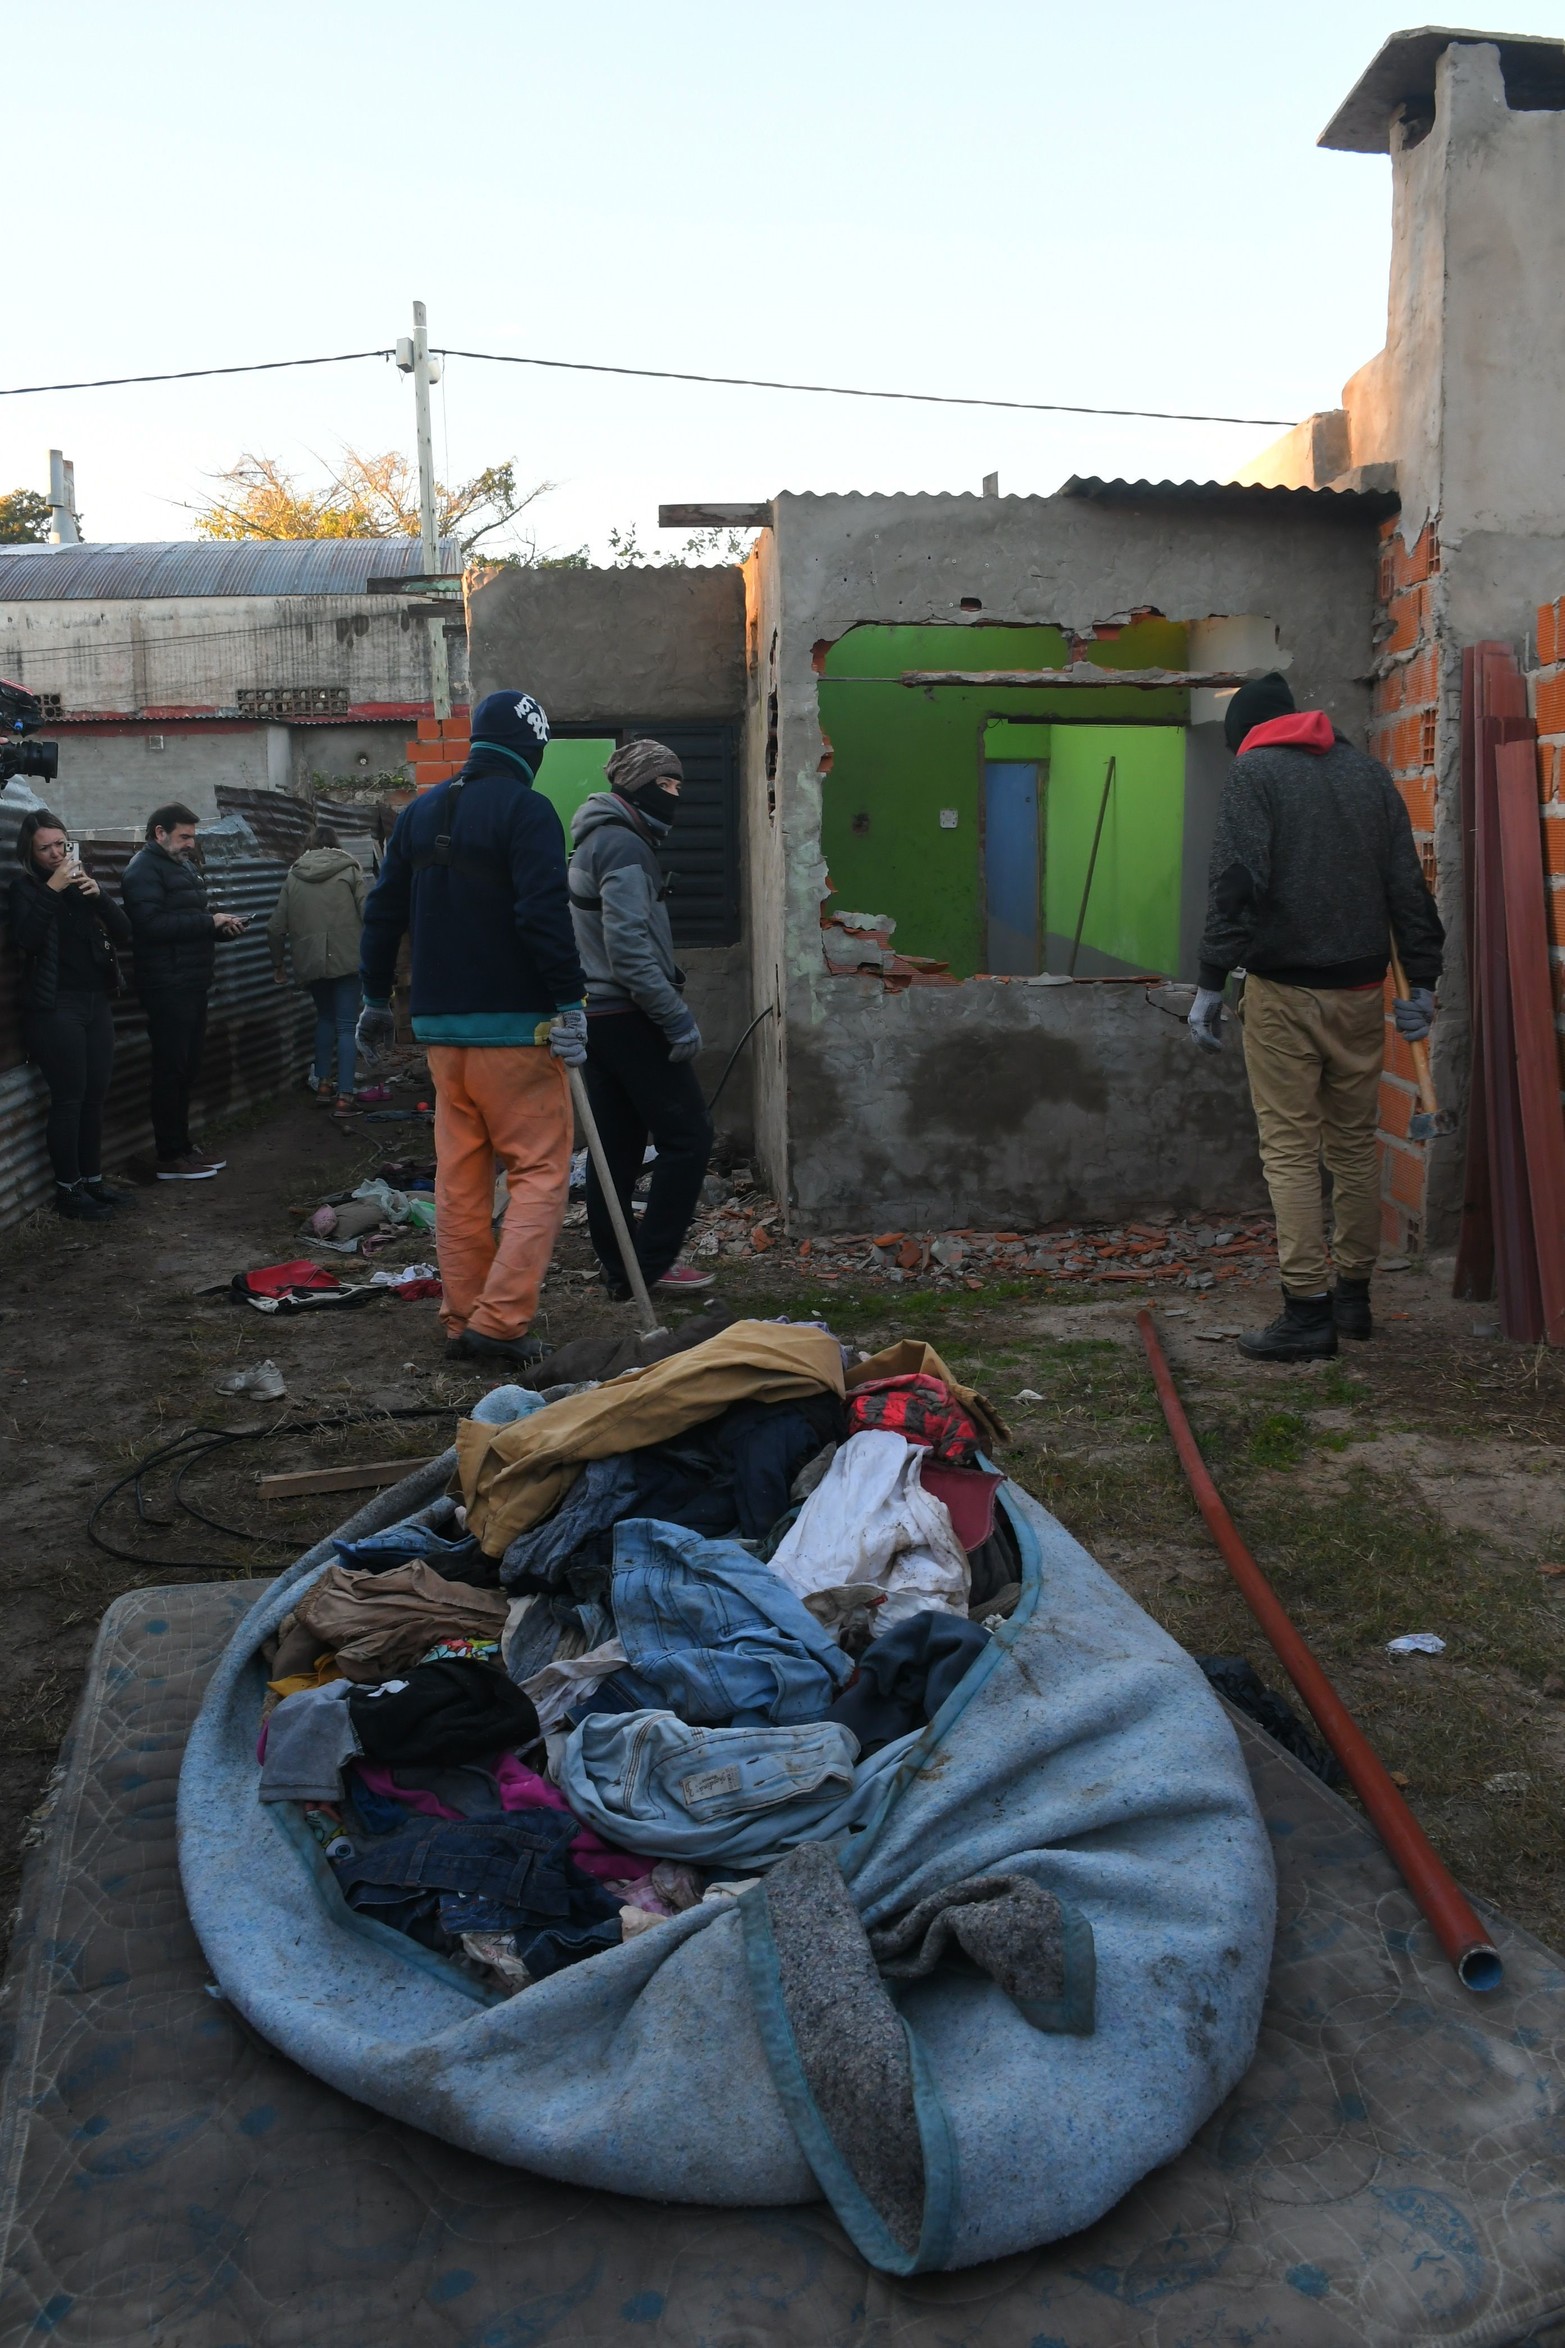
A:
{"points": [[1429, 1120]]}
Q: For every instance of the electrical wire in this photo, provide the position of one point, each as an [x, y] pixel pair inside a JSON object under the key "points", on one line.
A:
{"points": [[933, 399], [192, 1449]]}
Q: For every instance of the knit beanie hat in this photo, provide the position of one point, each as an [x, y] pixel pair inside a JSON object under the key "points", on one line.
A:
{"points": [[1264, 697], [635, 763], [514, 724]]}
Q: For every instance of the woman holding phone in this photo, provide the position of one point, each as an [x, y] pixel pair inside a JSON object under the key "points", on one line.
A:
{"points": [[65, 930]]}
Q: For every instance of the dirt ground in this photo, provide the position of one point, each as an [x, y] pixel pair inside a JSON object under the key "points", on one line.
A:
{"points": [[1416, 1484]]}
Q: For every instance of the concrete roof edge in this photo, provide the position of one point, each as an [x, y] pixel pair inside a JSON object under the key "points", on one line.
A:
{"points": [[1404, 68]]}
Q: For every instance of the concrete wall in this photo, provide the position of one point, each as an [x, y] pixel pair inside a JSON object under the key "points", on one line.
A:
{"points": [[110, 779], [611, 647], [199, 652], [999, 1102]]}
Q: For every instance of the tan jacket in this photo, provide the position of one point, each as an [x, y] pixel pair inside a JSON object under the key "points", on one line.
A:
{"points": [[319, 914], [513, 1476]]}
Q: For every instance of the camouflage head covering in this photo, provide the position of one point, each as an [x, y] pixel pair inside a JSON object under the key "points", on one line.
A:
{"points": [[635, 763]]}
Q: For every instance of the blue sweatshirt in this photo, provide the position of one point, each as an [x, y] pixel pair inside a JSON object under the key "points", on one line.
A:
{"points": [[493, 948]]}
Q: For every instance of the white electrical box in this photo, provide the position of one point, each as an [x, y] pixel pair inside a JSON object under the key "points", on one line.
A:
{"points": [[948, 819]]}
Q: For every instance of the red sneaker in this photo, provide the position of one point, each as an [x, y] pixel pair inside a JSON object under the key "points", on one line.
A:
{"points": [[683, 1280]]}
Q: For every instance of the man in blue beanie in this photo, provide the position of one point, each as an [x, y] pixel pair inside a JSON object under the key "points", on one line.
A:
{"points": [[475, 873]]}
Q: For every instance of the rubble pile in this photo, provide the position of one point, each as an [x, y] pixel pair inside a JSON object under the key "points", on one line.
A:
{"points": [[1182, 1253]]}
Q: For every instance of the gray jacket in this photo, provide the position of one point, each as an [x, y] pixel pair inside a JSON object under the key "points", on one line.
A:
{"points": [[622, 928]]}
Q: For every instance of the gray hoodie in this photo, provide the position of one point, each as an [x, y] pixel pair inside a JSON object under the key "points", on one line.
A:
{"points": [[621, 921], [319, 914]]}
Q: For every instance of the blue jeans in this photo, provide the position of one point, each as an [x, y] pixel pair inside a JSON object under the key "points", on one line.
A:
{"points": [[337, 1002]]}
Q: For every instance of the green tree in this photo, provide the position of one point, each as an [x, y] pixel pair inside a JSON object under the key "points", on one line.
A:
{"points": [[24, 518]]}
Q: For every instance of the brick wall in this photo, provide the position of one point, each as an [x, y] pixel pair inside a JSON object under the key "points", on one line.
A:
{"points": [[1404, 727], [440, 749]]}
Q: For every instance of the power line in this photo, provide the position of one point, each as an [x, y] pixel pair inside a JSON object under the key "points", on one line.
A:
{"points": [[189, 374], [933, 399], [936, 399]]}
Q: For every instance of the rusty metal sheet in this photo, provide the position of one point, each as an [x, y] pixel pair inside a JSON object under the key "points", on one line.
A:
{"points": [[1536, 1062]]}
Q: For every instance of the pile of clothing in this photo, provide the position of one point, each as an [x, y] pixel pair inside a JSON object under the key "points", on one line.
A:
{"points": [[680, 1624]]}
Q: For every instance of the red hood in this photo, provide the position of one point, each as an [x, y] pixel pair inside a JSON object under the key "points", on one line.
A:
{"points": [[1302, 729]]}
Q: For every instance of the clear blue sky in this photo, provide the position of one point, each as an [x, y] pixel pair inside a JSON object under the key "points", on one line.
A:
{"points": [[1032, 200]]}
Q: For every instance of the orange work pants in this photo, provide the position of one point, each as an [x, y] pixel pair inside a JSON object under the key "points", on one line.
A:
{"points": [[510, 1101]]}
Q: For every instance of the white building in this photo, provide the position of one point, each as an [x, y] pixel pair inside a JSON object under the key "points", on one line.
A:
{"points": [[167, 670]]}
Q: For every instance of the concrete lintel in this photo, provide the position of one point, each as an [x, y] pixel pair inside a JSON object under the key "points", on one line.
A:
{"points": [[749, 516]]}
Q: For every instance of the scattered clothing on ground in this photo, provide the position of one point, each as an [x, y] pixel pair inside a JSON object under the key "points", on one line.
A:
{"points": [[377, 1622], [435, 1713], [870, 1520], [905, 1677], [309, 1740]]}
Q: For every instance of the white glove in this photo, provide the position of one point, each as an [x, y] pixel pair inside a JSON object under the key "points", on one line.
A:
{"points": [[1205, 1018], [568, 1037], [376, 1031]]}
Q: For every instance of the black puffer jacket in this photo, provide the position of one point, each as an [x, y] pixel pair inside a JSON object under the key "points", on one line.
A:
{"points": [[40, 916], [170, 921]]}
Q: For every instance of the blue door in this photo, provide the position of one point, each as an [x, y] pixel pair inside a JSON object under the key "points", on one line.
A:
{"points": [[1012, 881]]}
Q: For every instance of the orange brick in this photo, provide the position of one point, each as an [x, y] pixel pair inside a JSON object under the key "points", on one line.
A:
{"points": [[1548, 633], [1407, 566], [1418, 794], [1551, 769], [1396, 1108], [429, 729], [1399, 742], [1411, 685], [1407, 1178], [1390, 1227], [1554, 842], [1549, 701], [1399, 1060], [1554, 914], [1409, 616]]}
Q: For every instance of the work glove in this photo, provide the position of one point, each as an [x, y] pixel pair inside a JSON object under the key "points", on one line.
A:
{"points": [[568, 1036], [1414, 1015], [1205, 1018], [376, 1031], [684, 1041]]}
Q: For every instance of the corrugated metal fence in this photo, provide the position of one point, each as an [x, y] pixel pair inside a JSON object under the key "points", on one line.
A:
{"points": [[259, 1035]]}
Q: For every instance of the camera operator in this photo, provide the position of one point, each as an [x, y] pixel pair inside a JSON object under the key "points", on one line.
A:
{"points": [[176, 933], [66, 930]]}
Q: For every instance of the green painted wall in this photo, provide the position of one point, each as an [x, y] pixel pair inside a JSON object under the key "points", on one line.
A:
{"points": [[900, 755], [570, 772], [1133, 912]]}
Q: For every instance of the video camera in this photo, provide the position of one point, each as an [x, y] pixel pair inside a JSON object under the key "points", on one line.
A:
{"points": [[21, 713]]}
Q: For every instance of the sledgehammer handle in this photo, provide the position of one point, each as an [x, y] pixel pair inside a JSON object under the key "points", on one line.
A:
{"points": [[1420, 1050], [650, 1326]]}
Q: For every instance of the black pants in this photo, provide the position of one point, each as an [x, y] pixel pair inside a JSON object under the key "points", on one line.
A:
{"points": [[637, 1096], [176, 1030], [73, 1046]]}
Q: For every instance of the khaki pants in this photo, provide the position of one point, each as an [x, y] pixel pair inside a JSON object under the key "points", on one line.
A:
{"points": [[512, 1102], [1313, 1057]]}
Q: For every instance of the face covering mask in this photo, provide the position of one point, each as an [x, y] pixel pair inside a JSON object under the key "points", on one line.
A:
{"points": [[656, 804]]}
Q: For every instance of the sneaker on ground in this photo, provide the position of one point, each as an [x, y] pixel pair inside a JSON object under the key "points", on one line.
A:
{"points": [[683, 1280], [199, 1160], [75, 1202], [187, 1168], [108, 1194], [511, 1352]]}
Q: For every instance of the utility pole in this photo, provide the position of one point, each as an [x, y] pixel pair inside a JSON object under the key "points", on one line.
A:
{"points": [[413, 358], [62, 501]]}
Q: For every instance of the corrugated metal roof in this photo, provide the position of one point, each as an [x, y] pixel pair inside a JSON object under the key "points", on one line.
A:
{"points": [[1357, 504], [228, 566]]}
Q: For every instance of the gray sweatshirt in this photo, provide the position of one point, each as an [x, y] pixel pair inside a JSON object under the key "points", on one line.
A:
{"points": [[617, 906]]}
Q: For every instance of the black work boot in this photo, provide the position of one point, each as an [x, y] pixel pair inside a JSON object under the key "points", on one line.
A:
{"points": [[108, 1194], [1350, 1308], [509, 1353], [1302, 1332], [75, 1202]]}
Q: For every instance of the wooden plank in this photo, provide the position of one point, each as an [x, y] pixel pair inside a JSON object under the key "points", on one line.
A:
{"points": [[1081, 672], [339, 1479], [1532, 1012], [1517, 1284]]}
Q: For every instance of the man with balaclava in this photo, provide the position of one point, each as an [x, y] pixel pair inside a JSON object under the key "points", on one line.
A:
{"points": [[1314, 871], [641, 1038], [475, 874]]}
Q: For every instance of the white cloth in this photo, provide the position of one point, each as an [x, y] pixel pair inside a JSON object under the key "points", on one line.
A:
{"points": [[870, 1520], [558, 1684]]}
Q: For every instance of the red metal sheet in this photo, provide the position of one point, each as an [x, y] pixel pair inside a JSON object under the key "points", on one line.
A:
{"points": [[1532, 1017], [1515, 1255]]}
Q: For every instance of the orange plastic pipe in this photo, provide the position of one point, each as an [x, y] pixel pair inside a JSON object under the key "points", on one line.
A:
{"points": [[1452, 1919]]}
